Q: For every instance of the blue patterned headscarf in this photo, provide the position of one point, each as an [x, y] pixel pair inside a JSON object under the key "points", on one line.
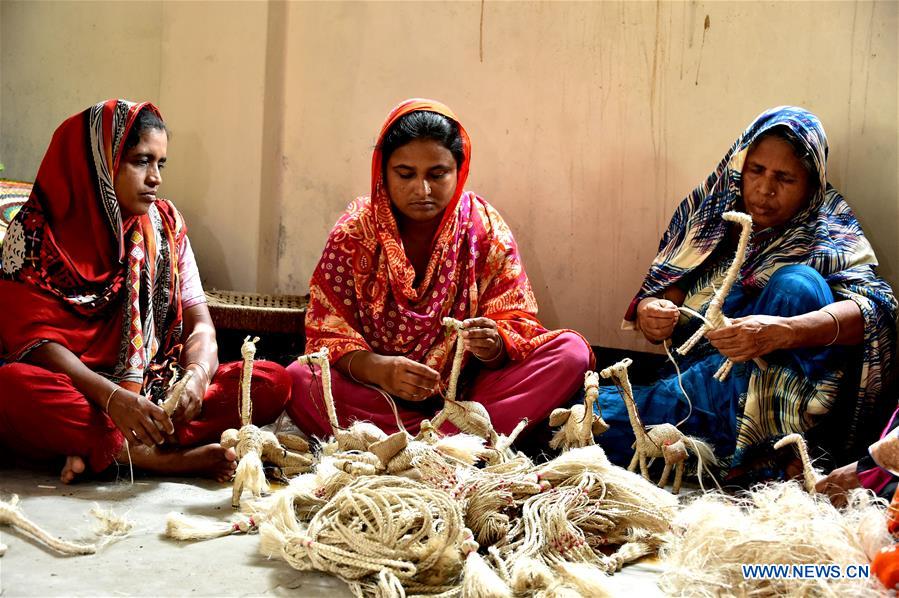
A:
{"points": [[824, 235]]}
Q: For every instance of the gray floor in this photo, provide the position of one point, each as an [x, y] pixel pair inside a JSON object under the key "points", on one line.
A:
{"points": [[146, 563]]}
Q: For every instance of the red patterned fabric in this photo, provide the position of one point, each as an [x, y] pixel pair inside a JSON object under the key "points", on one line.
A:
{"points": [[363, 294], [76, 273]]}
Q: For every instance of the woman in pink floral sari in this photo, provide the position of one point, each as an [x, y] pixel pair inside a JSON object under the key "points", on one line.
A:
{"points": [[419, 249]]}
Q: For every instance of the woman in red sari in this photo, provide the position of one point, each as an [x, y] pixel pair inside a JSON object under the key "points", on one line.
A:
{"points": [[419, 249], [100, 296]]}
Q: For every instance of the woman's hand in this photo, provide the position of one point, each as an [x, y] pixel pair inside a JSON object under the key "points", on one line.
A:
{"points": [[657, 318], [407, 379], [482, 339], [751, 336], [139, 419], [838, 482], [191, 402]]}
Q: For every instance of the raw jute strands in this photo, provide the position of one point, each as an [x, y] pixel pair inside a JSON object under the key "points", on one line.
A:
{"points": [[779, 524], [110, 528]]}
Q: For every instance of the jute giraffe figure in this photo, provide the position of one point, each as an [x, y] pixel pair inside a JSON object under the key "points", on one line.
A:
{"points": [[469, 416], [579, 424], [253, 446], [662, 441], [713, 318]]}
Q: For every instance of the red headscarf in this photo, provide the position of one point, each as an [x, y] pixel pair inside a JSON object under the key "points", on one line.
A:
{"points": [[76, 273], [362, 293]]}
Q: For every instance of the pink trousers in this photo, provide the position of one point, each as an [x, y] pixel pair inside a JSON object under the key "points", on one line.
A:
{"points": [[531, 388]]}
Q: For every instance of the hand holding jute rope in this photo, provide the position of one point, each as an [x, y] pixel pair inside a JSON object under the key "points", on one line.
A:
{"points": [[175, 390], [714, 318], [469, 416]]}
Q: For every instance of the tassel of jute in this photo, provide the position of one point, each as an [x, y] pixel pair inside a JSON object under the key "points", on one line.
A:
{"points": [[181, 527], [110, 528], [479, 580]]}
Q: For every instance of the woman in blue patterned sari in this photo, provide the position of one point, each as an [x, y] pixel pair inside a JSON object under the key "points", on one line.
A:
{"points": [[808, 301]]}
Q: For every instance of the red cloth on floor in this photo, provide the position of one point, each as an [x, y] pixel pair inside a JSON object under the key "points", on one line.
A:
{"points": [[531, 388], [43, 416]]}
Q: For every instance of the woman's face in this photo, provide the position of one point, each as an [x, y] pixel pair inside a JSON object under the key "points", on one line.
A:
{"points": [[140, 173], [421, 179], [775, 183]]}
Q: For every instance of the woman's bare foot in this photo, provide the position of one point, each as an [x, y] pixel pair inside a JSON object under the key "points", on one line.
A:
{"points": [[74, 466], [210, 460]]}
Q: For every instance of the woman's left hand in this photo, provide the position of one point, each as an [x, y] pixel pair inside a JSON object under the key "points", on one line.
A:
{"points": [[751, 336], [481, 337], [191, 403]]}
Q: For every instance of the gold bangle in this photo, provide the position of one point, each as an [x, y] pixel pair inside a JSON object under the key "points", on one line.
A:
{"points": [[203, 367], [109, 398], [837, 322], [349, 366], [499, 353]]}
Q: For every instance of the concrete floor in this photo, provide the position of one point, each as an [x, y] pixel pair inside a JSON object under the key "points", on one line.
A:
{"points": [[146, 563]]}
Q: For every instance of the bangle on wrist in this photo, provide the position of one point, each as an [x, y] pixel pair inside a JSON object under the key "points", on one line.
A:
{"points": [[836, 321], [499, 352], [349, 367], [203, 367], [109, 398]]}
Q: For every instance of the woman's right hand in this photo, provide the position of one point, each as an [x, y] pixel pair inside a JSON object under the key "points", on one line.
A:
{"points": [[140, 419], [657, 318], [407, 379]]}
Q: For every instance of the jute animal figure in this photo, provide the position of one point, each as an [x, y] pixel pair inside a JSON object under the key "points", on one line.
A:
{"points": [[253, 446], [469, 416], [176, 389], [579, 424], [713, 318], [809, 475], [662, 441]]}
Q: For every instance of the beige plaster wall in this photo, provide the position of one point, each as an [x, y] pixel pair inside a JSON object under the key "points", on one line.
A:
{"points": [[202, 63], [589, 120]]}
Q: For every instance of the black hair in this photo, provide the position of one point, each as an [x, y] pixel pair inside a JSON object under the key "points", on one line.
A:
{"points": [[800, 150], [423, 124], [145, 120]]}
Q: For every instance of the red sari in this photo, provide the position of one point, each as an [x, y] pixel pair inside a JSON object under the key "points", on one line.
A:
{"points": [[363, 294], [77, 273]]}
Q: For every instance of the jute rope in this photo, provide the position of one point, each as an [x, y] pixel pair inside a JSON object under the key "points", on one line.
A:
{"points": [[111, 527]]}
